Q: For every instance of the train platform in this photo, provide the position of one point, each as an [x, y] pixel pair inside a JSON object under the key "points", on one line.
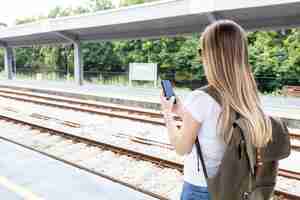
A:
{"points": [[281, 106], [124, 95], [26, 174]]}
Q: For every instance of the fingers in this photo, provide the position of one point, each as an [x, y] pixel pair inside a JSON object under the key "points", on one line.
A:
{"points": [[162, 98], [161, 93], [166, 104], [165, 100], [178, 100], [172, 99]]}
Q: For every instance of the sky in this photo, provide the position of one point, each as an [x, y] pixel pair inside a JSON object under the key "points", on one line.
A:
{"points": [[12, 9]]}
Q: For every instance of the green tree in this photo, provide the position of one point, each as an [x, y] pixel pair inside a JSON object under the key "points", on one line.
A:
{"points": [[134, 2], [274, 55], [96, 5]]}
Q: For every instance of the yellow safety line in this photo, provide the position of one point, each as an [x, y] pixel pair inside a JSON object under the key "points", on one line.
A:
{"points": [[19, 190]]}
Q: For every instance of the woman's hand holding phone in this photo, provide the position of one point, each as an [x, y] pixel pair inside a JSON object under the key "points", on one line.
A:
{"points": [[169, 107]]}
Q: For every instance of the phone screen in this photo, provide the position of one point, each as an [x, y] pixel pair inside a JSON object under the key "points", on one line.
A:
{"points": [[167, 88]]}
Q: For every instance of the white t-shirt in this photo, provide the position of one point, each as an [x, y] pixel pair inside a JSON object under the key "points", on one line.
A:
{"points": [[206, 110]]}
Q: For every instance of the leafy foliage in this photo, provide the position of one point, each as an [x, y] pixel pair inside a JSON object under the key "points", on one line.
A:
{"points": [[274, 55]]}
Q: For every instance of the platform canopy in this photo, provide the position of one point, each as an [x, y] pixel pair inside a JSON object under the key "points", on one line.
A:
{"points": [[169, 17]]}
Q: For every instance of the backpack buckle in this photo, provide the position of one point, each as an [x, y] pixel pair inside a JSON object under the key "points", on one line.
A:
{"points": [[246, 196]]}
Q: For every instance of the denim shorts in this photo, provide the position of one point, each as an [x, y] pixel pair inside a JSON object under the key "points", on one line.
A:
{"points": [[193, 192]]}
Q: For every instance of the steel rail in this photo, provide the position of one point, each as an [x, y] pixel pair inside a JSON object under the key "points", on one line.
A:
{"points": [[134, 154], [87, 169], [150, 112], [132, 113], [285, 195], [142, 156], [55, 103]]}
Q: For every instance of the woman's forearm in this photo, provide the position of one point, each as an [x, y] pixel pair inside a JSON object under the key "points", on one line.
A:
{"points": [[173, 132], [183, 138]]}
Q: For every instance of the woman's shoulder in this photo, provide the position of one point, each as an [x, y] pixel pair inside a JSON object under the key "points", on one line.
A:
{"points": [[200, 104], [200, 96]]}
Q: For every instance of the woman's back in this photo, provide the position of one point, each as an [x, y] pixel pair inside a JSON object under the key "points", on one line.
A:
{"points": [[205, 110]]}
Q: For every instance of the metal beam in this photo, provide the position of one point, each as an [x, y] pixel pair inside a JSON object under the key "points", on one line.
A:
{"points": [[3, 44], [78, 61], [213, 16], [67, 36], [8, 62], [164, 15]]}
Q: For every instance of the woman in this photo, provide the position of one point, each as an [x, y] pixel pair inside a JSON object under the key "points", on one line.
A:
{"points": [[226, 66]]}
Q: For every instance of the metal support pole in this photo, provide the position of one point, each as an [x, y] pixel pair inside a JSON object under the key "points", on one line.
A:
{"points": [[14, 65], [78, 61], [78, 65], [8, 62]]}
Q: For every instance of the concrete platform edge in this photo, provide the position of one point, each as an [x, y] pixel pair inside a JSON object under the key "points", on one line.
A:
{"points": [[114, 100]]}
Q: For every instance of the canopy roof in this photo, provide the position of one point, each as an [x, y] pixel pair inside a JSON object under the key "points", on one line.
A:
{"points": [[169, 17]]}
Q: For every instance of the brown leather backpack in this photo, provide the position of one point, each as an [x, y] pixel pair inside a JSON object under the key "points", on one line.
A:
{"points": [[245, 172]]}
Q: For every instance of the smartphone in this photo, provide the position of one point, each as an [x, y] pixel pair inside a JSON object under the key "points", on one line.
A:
{"points": [[168, 89]]}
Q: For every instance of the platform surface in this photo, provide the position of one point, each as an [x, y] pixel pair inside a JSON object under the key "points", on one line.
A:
{"points": [[25, 173], [142, 97]]}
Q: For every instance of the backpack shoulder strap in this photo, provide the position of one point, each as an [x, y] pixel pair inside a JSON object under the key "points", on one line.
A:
{"points": [[200, 156], [213, 93]]}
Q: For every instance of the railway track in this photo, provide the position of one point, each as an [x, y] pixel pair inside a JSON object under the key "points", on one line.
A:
{"points": [[144, 145], [143, 115], [141, 144], [141, 172], [113, 110], [137, 155], [136, 114]]}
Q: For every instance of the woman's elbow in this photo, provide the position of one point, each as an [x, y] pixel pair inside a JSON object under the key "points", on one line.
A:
{"points": [[182, 151]]}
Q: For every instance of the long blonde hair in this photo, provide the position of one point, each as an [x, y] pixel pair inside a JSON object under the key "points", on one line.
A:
{"points": [[225, 59]]}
